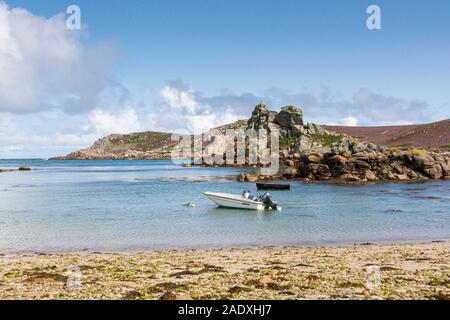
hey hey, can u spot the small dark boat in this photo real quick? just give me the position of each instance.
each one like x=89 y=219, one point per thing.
x=273 y=186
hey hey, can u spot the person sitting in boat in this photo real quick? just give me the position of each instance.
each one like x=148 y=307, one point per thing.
x=248 y=195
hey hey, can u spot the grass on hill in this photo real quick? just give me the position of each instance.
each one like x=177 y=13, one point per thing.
x=444 y=146
x=406 y=145
x=325 y=139
x=143 y=141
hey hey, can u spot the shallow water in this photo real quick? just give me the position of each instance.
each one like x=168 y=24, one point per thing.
x=134 y=205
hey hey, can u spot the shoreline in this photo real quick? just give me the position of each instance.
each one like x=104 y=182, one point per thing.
x=407 y=271
x=206 y=248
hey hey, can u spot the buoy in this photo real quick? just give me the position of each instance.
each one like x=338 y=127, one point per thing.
x=192 y=205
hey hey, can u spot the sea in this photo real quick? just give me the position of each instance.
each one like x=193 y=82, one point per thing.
x=141 y=205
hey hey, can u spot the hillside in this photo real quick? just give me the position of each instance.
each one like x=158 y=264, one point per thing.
x=428 y=136
x=140 y=145
x=158 y=145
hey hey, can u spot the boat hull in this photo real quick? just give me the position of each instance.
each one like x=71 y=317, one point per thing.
x=272 y=186
x=234 y=201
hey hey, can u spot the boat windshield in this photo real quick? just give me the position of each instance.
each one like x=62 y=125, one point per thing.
x=249 y=196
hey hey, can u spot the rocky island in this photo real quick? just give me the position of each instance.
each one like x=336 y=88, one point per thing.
x=311 y=151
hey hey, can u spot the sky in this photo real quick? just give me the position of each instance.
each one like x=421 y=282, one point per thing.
x=184 y=65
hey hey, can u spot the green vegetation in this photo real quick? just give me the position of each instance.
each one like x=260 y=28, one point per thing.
x=406 y=145
x=325 y=139
x=287 y=142
x=144 y=141
x=420 y=152
x=444 y=146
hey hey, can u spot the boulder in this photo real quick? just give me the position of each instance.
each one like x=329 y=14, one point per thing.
x=261 y=117
x=24 y=169
x=303 y=145
x=290 y=172
x=284 y=153
x=317 y=171
x=398 y=167
x=289 y=117
x=413 y=175
x=313 y=128
x=314 y=158
x=359 y=164
x=338 y=165
x=370 y=147
x=434 y=172
x=349 y=177
x=290 y=163
x=402 y=177
x=338 y=159
x=444 y=163
x=248 y=177
x=445 y=169
x=421 y=162
x=357 y=147
x=251 y=177
x=341 y=147
x=370 y=176
x=363 y=155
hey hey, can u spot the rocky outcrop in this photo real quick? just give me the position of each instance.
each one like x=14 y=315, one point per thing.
x=290 y=121
x=19 y=169
x=249 y=177
x=350 y=160
x=89 y=154
x=307 y=151
x=134 y=146
x=261 y=118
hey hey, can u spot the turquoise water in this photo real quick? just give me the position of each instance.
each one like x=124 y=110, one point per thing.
x=135 y=205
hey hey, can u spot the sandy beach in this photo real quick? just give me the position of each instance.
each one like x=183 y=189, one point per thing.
x=407 y=271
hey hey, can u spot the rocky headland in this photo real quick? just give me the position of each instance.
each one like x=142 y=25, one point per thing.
x=133 y=146
x=308 y=151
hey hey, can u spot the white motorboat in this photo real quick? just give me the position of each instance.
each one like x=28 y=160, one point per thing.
x=244 y=201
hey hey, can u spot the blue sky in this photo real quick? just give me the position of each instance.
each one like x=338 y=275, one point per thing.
x=160 y=64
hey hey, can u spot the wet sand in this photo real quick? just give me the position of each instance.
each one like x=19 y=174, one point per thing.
x=407 y=271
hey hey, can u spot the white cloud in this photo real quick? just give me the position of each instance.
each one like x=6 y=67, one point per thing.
x=179 y=99
x=183 y=109
x=366 y=106
x=105 y=122
x=44 y=65
x=349 y=121
x=179 y=108
x=389 y=110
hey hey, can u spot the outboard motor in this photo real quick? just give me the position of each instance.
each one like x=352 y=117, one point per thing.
x=268 y=202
